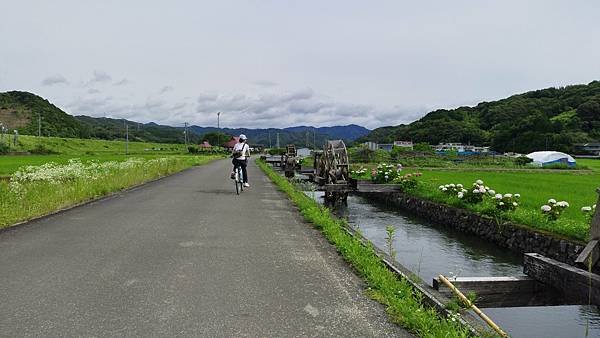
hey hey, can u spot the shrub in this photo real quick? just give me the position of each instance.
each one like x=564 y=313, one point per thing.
x=4 y=148
x=385 y=173
x=193 y=150
x=40 y=149
x=553 y=210
x=589 y=211
x=506 y=202
x=476 y=194
x=407 y=182
x=359 y=173
x=522 y=160
x=276 y=151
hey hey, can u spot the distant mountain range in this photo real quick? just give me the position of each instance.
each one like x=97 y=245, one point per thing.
x=300 y=136
x=20 y=110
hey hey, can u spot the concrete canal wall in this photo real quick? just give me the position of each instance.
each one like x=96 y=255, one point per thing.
x=514 y=237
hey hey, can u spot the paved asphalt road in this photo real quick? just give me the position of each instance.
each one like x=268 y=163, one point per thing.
x=183 y=256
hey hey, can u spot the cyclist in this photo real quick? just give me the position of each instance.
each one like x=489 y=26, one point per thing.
x=240 y=154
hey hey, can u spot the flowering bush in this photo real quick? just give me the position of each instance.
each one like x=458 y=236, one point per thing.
x=589 y=212
x=408 y=181
x=477 y=193
x=52 y=173
x=506 y=202
x=359 y=173
x=385 y=173
x=455 y=190
x=554 y=209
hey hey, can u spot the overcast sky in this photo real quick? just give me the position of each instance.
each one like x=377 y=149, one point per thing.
x=284 y=63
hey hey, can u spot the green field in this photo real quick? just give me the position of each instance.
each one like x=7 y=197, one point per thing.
x=578 y=188
x=10 y=163
x=74 y=146
x=61 y=150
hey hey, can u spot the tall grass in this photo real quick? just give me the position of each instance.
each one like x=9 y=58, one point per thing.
x=403 y=303
x=37 y=191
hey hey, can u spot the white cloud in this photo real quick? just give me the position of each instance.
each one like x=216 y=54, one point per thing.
x=165 y=89
x=54 y=80
x=99 y=77
x=265 y=83
x=122 y=82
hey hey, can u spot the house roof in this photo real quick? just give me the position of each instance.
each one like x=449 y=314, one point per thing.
x=232 y=142
x=205 y=144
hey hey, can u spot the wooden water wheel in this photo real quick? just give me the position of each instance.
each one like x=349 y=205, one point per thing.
x=332 y=167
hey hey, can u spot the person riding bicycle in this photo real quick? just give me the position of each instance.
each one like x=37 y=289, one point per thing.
x=240 y=154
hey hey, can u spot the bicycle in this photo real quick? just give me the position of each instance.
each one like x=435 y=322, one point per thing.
x=238 y=179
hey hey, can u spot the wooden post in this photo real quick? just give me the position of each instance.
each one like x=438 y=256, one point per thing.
x=595 y=226
x=472 y=306
x=578 y=285
x=591 y=253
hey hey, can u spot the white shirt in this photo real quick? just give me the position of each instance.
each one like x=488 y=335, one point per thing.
x=244 y=148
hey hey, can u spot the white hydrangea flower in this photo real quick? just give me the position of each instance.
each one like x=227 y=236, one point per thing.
x=508 y=195
x=546 y=208
x=480 y=182
x=562 y=204
x=459 y=185
x=460 y=195
x=501 y=203
x=498 y=196
x=586 y=209
x=492 y=192
x=552 y=201
x=515 y=204
x=475 y=191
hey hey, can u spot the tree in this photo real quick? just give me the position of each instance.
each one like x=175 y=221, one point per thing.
x=215 y=138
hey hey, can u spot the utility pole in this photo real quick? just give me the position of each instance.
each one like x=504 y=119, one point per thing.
x=219 y=128
x=277 y=140
x=185 y=124
x=314 y=139
x=306 y=139
x=39 y=125
x=270 y=140
x=126 y=139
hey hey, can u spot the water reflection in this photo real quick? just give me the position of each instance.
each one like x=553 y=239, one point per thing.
x=429 y=249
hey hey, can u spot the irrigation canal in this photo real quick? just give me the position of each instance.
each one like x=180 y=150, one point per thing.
x=429 y=250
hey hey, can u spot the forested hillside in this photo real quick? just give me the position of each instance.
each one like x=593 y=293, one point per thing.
x=552 y=119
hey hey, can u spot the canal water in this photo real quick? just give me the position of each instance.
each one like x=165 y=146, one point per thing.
x=429 y=250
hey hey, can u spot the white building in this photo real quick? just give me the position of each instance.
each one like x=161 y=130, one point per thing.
x=404 y=144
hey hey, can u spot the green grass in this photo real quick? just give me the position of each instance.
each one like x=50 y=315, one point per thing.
x=74 y=146
x=403 y=303
x=39 y=198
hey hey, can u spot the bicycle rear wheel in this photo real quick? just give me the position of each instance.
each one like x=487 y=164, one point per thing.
x=237 y=188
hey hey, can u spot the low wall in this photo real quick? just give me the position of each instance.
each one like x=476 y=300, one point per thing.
x=511 y=236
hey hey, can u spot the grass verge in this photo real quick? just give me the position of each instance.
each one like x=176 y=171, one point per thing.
x=402 y=302
x=42 y=190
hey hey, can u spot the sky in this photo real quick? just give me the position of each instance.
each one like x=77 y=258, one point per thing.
x=286 y=63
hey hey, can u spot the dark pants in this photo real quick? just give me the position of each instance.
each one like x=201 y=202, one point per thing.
x=243 y=164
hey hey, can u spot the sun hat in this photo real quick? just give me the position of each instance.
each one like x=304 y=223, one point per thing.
x=243 y=137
